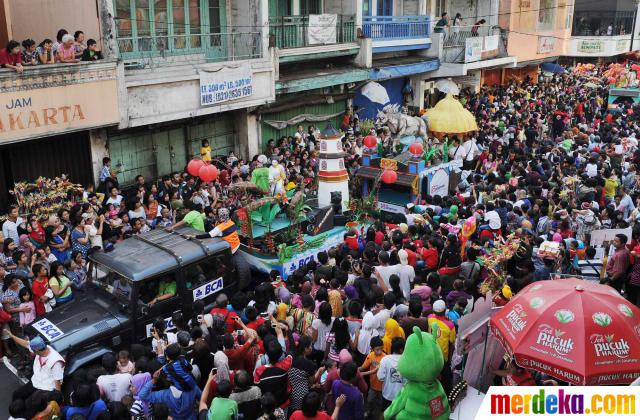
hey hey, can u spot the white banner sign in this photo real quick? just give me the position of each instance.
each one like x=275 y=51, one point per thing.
x=472 y=49
x=322 y=29
x=226 y=85
x=598 y=237
x=439 y=183
x=168 y=322
x=208 y=289
x=301 y=259
x=546 y=44
x=47 y=328
x=491 y=42
x=391 y=208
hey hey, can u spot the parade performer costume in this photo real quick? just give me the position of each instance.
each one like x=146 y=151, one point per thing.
x=423 y=396
x=277 y=176
x=260 y=175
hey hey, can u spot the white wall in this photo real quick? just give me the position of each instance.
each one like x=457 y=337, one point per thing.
x=159 y=95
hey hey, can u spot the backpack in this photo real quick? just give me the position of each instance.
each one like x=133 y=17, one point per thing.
x=219 y=323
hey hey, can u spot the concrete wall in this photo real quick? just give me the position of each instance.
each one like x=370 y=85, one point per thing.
x=40 y=19
x=98 y=140
x=166 y=94
x=245 y=15
x=525 y=35
x=340 y=7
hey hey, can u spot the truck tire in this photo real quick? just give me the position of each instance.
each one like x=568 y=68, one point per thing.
x=243 y=271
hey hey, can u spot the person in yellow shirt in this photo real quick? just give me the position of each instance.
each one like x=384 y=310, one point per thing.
x=446 y=337
x=611 y=185
x=205 y=151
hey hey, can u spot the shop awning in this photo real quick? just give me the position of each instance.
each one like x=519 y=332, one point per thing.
x=404 y=179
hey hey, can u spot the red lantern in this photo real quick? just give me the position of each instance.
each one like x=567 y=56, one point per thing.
x=370 y=141
x=208 y=173
x=389 y=177
x=193 y=167
x=416 y=149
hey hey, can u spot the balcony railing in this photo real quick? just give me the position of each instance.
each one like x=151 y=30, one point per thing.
x=395 y=27
x=293 y=31
x=212 y=47
x=597 y=23
x=456 y=39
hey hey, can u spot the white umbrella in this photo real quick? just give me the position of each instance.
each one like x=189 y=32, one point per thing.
x=375 y=92
x=448 y=86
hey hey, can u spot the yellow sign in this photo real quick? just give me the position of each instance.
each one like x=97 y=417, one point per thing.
x=388 y=164
x=52 y=110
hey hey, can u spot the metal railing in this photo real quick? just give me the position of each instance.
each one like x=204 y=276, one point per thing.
x=456 y=36
x=455 y=43
x=395 y=27
x=292 y=31
x=597 y=23
x=230 y=46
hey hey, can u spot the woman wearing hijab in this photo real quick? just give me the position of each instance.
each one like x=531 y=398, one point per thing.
x=391 y=330
x=221 y=366
x=139 y=408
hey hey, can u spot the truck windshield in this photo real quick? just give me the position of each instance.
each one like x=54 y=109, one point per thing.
x=112 y=283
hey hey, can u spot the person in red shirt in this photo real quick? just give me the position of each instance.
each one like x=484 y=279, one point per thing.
x=311 y=408
x=430 y=256
x=221 y=309
x=11 y=58
x=241 y=357
x=40 y=287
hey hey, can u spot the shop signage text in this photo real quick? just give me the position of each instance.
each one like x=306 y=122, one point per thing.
x=47 y=111
x=591 y=46
x=226 y=85
x=21 y=118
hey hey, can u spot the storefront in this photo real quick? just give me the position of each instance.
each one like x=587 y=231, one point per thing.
x=283 y=118
x=47 y=117
x=154 y=152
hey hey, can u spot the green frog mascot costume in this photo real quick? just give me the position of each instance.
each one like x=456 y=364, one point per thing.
x=423 y=396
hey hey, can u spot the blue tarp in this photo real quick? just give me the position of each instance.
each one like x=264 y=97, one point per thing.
x=368 y=109
x=552 y=68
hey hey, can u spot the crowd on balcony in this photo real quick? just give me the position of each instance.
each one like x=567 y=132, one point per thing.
x=66 y=49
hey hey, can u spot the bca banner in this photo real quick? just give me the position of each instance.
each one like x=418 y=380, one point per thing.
x=322 y=29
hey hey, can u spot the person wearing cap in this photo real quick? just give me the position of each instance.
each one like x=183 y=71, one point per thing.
x=48 y=368
x=446 y=328
x=226 y=229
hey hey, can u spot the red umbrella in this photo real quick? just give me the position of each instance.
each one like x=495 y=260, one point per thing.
x=577 y=331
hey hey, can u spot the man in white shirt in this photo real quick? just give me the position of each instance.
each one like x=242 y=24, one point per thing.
x=471 y=152
x=113 y=386
x=388 y=373
x=10 y=226
x=48 y=368
x=456 y=151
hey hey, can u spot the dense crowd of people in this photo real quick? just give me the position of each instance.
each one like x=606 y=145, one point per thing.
x=67 y=48
x=549 y=163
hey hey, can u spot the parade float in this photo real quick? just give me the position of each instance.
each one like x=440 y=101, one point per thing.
x=417 y=163
x=284 y=230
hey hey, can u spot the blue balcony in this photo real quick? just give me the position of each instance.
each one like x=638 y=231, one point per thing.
x=397 y=33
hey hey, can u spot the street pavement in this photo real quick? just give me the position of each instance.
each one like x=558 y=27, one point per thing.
x=9 y=383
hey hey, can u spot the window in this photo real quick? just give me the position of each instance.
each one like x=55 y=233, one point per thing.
x=546 y=14
x=206 y=271
x=311 y=7
x=441 y=7
x=165 y=27
x=385 y=8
